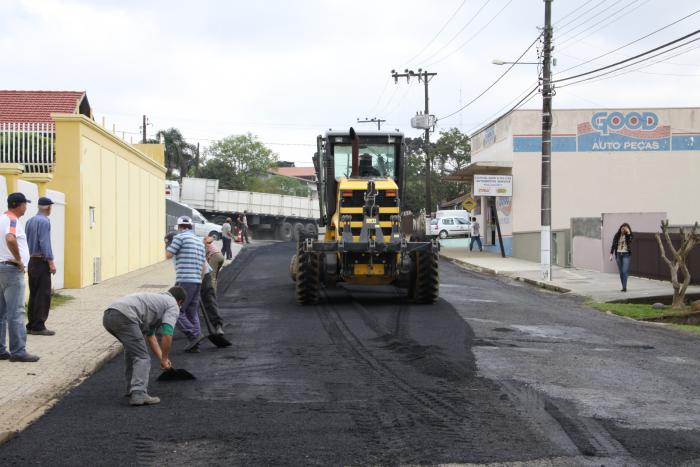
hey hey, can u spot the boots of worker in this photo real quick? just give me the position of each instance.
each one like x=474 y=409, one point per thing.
x=142 y=398
x=193 y=344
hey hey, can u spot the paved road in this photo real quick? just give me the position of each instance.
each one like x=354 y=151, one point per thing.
x=494 y=372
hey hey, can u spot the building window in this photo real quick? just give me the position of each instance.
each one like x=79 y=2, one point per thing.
x=92 y=217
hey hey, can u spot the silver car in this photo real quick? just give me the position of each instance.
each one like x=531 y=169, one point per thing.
x=450 y=227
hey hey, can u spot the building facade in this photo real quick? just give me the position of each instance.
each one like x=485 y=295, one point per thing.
x=604 y=161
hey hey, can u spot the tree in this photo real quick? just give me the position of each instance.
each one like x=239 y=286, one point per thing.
x=236 y=160
x=279 y=185
x=179 y=154
x=688 y=240
x=451 y=152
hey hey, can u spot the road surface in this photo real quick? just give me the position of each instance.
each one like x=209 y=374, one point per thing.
x=494 y=372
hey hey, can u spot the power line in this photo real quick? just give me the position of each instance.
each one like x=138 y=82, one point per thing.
x=600 y=76
x=408 y=62
x=612 y=19
x=567 y=78
x=212 y=139
x=494 y=83
x=473 y=35
x=590 y=19
x=572 y=12
x=632 y=42
x=584 y=13
x=500 y=115
x=381 y=94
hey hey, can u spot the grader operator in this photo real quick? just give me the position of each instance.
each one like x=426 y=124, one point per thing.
x=360 y=179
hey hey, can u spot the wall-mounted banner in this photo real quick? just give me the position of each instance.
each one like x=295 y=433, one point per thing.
x=615 y=131
x=493 y=185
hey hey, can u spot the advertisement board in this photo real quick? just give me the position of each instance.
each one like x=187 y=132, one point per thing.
x=493 y=185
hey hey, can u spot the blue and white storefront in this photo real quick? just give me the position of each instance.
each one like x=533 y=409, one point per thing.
x=603 y=161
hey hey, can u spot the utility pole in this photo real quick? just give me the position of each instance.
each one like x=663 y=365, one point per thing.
x=423 y=76
x=376 y=120
x=143 y=127
x=546 y=193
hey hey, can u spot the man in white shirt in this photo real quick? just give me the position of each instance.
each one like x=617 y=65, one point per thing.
x=14 y=257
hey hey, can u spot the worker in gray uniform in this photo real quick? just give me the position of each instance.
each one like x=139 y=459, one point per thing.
x=134 y=321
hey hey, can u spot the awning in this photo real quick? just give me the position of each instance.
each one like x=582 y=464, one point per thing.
x=481 y=168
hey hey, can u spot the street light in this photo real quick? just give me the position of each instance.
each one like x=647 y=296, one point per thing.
x=498 y=61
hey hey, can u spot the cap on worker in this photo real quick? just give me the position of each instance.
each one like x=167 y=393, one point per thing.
x=184 y=220
x=15 y=199
x=44 y=201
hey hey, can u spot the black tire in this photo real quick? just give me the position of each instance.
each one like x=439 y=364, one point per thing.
x=286 y=232
x=298 y=231
x=443 y=234
x=215 y=235
x=308 y=278
x=311 y=230
x=425 y=277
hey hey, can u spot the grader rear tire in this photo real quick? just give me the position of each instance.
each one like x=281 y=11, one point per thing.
x=425 y=277
x=308 y=278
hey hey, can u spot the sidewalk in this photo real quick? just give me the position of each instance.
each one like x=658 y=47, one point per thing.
x=80 y=347
x=599 y=286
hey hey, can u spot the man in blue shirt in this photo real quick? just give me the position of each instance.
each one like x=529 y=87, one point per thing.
x=188 y=250
x=39 y=269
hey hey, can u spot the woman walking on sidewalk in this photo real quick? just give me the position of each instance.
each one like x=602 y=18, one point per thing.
x=622 y=250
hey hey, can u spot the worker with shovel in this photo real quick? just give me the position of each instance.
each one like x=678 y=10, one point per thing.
x=134 y=321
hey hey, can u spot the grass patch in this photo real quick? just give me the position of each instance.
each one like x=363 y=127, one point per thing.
x=688 y=328
x=641 y=311
x=58 y=299
x=631 y=310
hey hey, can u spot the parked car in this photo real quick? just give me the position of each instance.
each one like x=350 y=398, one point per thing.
x=450 y=227
x=203 y=227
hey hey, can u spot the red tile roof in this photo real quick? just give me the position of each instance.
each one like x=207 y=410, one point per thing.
x=295 y=171
x=37 y=106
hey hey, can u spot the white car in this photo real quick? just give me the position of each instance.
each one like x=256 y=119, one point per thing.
x=203 y=227
x=450 y=227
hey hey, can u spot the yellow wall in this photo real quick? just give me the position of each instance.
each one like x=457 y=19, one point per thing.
x=126 y=188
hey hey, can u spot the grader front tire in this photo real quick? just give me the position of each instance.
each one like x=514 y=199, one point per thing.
x=425 y=283
x=308 y=278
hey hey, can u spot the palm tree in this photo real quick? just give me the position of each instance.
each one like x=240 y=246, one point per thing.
x=179 y=154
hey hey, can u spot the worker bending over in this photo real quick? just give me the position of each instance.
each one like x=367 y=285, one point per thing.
x=134 y=320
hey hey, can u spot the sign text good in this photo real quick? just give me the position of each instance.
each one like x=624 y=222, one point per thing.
x=493 y=185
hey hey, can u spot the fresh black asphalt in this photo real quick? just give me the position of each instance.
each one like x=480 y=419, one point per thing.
x=364 y=378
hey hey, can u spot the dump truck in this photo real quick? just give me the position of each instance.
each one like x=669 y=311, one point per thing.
x=360 y=180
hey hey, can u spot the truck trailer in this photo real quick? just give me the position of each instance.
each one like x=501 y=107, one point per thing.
x=282 y=217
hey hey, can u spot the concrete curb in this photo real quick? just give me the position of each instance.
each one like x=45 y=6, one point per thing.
x=46 y=404
x=515 y=276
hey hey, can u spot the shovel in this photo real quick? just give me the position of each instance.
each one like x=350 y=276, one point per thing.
x=173 y=374
x=216 y=339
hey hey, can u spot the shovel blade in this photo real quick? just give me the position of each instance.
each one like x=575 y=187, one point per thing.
x=176 y=374
x=219 y=340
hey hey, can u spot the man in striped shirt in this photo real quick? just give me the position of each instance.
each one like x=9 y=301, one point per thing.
x=188 y=251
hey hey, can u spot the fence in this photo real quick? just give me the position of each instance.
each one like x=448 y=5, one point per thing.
x=30 y=144
x=646 y=258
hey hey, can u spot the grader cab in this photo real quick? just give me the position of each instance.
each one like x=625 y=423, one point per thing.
x=360 y=180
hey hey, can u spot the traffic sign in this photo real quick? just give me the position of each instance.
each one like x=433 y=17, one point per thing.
x=469 y=204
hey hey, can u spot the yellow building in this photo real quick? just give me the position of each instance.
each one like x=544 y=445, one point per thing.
x=114 y=192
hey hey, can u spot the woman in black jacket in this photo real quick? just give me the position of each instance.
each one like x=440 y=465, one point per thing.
x=622 y=250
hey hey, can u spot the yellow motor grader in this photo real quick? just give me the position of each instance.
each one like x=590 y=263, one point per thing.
x=360 y=180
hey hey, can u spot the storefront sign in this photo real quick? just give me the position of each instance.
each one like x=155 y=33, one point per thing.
x=617 y=131
x=493 y=185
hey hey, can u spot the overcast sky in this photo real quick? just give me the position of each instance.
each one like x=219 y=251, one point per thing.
x=287 y=71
